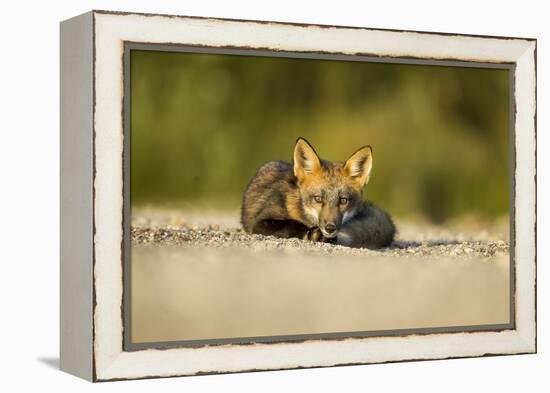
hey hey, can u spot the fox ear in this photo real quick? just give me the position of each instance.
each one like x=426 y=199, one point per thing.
x=359 y=165
x=306 y=160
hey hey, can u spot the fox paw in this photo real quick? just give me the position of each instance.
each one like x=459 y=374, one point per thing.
x=315 y=235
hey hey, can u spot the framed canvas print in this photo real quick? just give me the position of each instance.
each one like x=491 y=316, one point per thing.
x=245 y=195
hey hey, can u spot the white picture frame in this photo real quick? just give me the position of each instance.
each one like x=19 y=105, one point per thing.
x=93 y=193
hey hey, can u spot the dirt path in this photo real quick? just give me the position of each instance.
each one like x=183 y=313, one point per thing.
x=201 y=277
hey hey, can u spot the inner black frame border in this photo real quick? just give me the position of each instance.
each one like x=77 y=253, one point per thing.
x=126 y=245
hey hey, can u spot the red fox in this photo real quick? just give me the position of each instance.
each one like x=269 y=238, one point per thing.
x=315 y=199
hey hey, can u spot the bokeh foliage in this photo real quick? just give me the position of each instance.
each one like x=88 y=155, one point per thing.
x=201 y=124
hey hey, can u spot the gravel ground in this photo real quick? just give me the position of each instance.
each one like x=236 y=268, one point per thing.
x=413 y=240
x=198 y=275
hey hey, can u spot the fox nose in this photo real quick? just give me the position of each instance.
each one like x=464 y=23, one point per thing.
x=330 y=228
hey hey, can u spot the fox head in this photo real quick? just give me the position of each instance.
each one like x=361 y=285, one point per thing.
x=330 y=191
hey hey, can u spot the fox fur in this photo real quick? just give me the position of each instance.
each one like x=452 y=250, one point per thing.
x=318 y=200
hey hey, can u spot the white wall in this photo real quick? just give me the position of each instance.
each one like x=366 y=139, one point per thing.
x=29 y=193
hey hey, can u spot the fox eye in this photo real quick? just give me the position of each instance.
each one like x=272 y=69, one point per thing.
x=318 y=198
x=344 y=201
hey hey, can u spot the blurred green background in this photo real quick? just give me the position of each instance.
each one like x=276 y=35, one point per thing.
x=201 y=125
